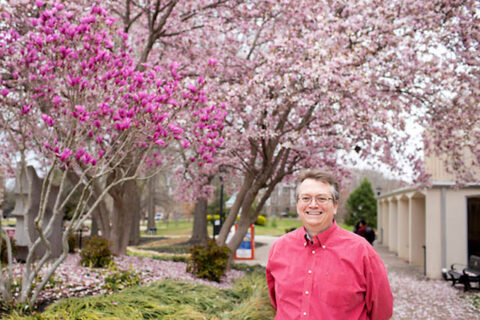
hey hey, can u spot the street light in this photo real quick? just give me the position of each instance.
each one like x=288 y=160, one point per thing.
x=221 y=201
x=217 y=224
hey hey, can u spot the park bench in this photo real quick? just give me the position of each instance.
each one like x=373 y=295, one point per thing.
x=467 y=276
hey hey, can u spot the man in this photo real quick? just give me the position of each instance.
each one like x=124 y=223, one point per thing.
x=321 y=271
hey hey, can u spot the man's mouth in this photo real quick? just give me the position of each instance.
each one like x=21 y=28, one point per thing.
x=314 y=213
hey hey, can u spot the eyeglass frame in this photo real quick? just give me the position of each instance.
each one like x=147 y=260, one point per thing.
x=324 y=199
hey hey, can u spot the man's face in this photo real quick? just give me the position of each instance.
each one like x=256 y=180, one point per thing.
x=316 y=217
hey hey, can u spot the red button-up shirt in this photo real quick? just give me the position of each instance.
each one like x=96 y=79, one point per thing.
x=337 y=275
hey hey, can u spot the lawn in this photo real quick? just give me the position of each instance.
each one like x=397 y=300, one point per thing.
x=276 y=226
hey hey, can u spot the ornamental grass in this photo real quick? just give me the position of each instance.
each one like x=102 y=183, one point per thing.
x=168 y=299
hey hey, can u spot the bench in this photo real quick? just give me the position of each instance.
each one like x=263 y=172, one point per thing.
x=467 y=276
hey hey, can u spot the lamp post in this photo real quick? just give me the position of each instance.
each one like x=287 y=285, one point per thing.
x=221 y=201
x=217 y=224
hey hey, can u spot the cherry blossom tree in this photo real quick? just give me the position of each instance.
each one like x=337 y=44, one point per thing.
x=73 y=98
x=308 y=84
x=328 y=78
x=187 y=32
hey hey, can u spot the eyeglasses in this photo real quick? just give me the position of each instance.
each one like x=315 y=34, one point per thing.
x=319 y=199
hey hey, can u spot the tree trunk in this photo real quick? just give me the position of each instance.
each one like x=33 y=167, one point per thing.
x=233 y=213
x=151 y=203
x=126 y=211
x=199 y=233
x=136 y=217
x=94 y=226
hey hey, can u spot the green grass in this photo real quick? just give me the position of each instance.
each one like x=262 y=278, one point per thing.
x=275 y=227
x=168 y=299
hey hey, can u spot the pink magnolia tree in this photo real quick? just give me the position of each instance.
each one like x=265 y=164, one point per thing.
x=322 y=79
x=73 y=98
x=306 y=85
x=187 y=32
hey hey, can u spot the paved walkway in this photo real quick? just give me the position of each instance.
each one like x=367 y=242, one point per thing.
x=261 y=251
x=395 y=264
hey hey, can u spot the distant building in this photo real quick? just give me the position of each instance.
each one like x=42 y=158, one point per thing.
x=281 y=201
x=431 y=227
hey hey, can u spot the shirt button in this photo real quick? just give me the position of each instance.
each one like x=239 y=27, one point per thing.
x=306 y=292
x=309 y=271
x=323 y=247
x=313 y=251
x=304 y=313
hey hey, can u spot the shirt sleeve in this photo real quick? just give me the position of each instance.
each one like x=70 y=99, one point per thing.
x=378 y=298
x=271 y=279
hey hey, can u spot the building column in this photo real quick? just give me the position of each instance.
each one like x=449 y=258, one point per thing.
x=403 y=230
x=386 y=222
x=416 y=253
x=379 y=220
x=393 y=224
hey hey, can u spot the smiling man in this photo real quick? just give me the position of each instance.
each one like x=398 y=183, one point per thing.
x=321 y=271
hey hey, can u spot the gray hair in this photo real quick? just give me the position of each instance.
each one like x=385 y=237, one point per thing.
x=322 y=176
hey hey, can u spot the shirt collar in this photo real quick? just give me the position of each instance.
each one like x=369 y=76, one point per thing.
x=322 y=237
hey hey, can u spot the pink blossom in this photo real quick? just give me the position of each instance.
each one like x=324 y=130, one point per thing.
x=124 y=124
x=79 y=153
x=160 y=142
x=65 y=154
x=5 y=92
x=175 y=129
x=26 y=109
x=73 y=81
x=86 y=158
x=185 y=143
x=48 y=120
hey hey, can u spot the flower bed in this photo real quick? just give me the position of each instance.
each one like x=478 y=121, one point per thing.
x=73 y=280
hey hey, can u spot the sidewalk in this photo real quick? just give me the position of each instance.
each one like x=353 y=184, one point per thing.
x=397 y=265
x=261 y=251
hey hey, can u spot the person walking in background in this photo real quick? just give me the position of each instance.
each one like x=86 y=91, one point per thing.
x=362 y=229
x=321 y=271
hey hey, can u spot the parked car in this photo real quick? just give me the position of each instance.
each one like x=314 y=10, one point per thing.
x=159 y=216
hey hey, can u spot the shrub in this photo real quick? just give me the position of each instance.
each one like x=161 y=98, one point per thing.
x=208 y=261
x=214 y=217
x=261 y=221
x=96 y=253
x=119 y=279
x=3 y=249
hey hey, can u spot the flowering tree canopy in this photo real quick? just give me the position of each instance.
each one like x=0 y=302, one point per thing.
x=73 y=97
x=307 y=84
x=322 y=79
